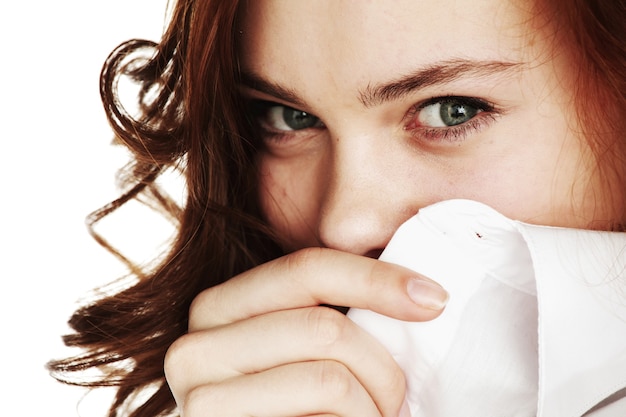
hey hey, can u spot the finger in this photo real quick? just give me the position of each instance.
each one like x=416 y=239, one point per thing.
x=319 y=276
x=299 y=389
x=291 y=336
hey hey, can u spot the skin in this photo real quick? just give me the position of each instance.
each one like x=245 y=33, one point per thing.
x=260 y=344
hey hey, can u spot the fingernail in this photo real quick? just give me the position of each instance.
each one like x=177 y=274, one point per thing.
x=405 y=411
x=427 y=294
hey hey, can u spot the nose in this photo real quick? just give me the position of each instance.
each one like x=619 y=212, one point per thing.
x=366 y=196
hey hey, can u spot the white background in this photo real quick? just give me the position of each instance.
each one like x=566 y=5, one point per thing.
x=57 y=166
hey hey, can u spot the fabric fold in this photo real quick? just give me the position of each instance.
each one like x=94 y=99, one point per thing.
x=500 y=348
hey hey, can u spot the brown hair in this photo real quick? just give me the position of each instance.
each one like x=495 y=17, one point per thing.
x=592 y=34
x=190 y=118
x=188 y=103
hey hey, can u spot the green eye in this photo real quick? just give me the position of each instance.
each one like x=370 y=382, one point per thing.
x=279 y=118
x=456 y=113
x=447 y=112
x=296 y=119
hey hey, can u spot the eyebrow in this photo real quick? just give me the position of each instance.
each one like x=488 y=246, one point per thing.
x=256 y=82
x=436 y=74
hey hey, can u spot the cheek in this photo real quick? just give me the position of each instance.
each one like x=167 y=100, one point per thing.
x=289 y=201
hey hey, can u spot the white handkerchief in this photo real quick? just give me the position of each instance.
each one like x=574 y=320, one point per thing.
x=479 y=358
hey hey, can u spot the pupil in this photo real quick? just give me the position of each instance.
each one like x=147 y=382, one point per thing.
x=297 y=119
x=455 y=113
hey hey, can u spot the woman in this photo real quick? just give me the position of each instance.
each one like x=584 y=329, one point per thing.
x=326 y=125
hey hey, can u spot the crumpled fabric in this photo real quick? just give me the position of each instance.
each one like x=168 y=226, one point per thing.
x=480 y=357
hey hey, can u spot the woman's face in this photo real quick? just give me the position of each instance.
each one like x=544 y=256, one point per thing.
x=370 y=110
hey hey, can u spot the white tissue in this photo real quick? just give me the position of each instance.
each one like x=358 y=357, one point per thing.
x=479 y=358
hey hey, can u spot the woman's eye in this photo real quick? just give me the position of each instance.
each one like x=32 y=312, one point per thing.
x=447 y=113
x=450 y=118
x=277 y=118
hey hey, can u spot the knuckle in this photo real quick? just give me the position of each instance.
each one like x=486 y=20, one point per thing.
x=377 y=277
x=200 y=401
x=382 y=282
x=396 y=385
x=198 y=317
x=327 y=326
x=198 y=301
x=175 y=361
x=334 y=380
x=210 y=308
x=303 y=259
x=303 y=269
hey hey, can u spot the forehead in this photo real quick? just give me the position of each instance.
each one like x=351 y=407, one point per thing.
x=362 y=41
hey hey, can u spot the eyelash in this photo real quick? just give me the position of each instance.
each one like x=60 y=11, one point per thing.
x=487 y=112
x=260 y=109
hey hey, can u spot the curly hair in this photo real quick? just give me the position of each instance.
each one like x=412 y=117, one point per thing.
x=191 y=119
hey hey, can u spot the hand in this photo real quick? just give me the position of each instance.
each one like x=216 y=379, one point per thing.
x=261 y=345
